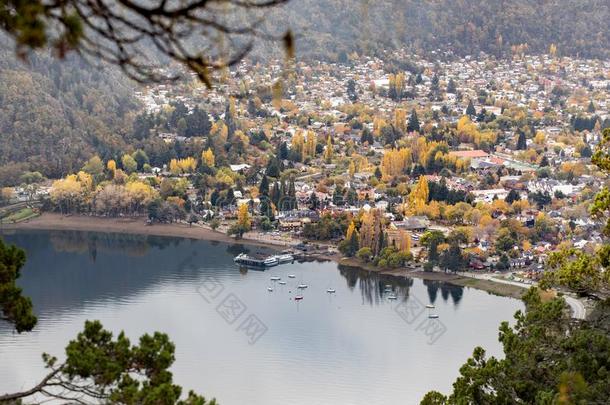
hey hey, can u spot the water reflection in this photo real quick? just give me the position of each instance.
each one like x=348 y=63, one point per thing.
x=447 y=290
x=375 y=287
x=101 y=264
x=341 y=344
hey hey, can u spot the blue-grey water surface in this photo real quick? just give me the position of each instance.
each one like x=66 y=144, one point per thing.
x=352 y=347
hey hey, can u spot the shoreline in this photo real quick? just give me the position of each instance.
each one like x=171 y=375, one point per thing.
x=490 y=286
x=131 y=225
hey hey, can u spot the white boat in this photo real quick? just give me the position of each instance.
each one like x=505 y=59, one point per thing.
x=291 y=276
x=331 y=291
x=256 y=260
x=275 y=278
x=433 y=316
x=269 y=289
x=302 y=286
x=429 y=306
x=285 y=258
x=282 y=283
x=298 y=298
x=271 y=261
x=392 y=297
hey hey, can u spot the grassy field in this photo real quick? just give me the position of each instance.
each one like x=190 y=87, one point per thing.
x=18 y=216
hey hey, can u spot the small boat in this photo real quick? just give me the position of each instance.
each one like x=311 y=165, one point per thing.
x=269 y=289
x=276 y=278
x=298 y=298
x=392 y=297
x=331 y=291
x=302 y=286
x=282 y=283
x=291 y=276
x=433 y=316
x=429 y=306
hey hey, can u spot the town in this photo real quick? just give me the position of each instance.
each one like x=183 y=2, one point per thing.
x=449 y=163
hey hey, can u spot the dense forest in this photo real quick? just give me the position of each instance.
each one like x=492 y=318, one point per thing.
x=56 y=114
x=332 y=28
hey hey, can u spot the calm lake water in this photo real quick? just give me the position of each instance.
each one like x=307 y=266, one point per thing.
x=235 y=340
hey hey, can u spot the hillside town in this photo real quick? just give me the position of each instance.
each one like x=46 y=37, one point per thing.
x=449 y=163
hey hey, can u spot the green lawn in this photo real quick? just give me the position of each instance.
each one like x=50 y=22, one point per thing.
x=18 y=216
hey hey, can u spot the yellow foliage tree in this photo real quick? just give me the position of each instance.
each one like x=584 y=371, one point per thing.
x=395 y=161
x=400 y=120
x=310 y=146
x=243 y=217
x=297 y=144
x=418 y=197
x=111 y=166
x=207 y=157
x=328 y=151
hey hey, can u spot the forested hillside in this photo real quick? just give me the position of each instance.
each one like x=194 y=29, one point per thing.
x=577 y=27
x=54 y=114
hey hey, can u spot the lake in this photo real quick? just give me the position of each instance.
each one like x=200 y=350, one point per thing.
x=237 y=341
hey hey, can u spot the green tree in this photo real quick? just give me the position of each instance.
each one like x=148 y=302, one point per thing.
x=512 y=196
x=431 y=240
x=94 y=166
x=470 y=110
x=413 y=124
x=263 y=187
x=99 y=368
x=16 y=308
x=141 y=158
x=451 y=88
x=129 y=164
x=365 y=254
x=521 y=141
x=547 y=360
x=452 y=258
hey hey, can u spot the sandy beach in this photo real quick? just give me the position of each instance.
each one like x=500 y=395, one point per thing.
x=131 y=225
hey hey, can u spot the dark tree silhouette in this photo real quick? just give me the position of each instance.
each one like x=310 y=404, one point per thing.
x=202 y=35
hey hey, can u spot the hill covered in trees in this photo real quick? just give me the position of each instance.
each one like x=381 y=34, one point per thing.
x=56 y=114
x=331 y=27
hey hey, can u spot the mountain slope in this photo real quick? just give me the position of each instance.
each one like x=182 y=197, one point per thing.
x=577 y=27
x=55 y=114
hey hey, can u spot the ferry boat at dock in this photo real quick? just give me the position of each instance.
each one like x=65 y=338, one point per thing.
x=285 y=258
x=256 y=260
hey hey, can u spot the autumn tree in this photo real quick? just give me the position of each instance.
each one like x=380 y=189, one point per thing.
x=243 y=224
x=350 y=245
x=111 y=166
x=328 y=150
x=372 y=231
x=419 y=195
x=207 y=157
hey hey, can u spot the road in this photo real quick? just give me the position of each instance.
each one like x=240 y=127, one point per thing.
x=578 y=308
